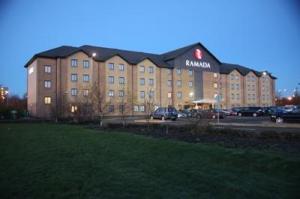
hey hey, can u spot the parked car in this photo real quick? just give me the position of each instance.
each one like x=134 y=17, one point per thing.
x=234 y=111
x=250 y=111
x=283 y=115
x=227 y=112
x=165 y=113
x=209 y=114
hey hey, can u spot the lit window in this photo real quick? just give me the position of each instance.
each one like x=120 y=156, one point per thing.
x=179 y=95
x=179 y=83
x=142 y=81
x=74 y=77
x=85 y=92
x=111 y=93
x=74 y=91
x=86 y=78
x=142 y=94
x=47 y=84
x=190 y=84
x=121 y=93
x=47 y=69
x=178 y=71
x=121 y=67
x=151 y=82
x=47 y=100
x=151 y=69
x=135 y=108
x=169 y=95
x=215 y=85
x=86 y=64
x=142 y=69
x=111 y=79
x=111 y=66
x=190 y=72
x=169 y=71
x=121 y=80
x=73 y=109
x=74 y=62
x=215 y=75
x=142 y=108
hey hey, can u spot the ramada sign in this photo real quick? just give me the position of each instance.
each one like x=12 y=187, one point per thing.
x=200 y=64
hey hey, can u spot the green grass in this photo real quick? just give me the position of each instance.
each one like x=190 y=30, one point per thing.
x=63 y=161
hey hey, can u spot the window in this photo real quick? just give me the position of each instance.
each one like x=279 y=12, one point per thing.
x=111 y=66
x=111 y=93
x=74 y=77
x=237 y=86
x=190 y=84
x=86 y=64
x=151 y=94
x=151 y=69
x=85 y=92
x=236 y=77
x=151 y=82
x=86 y=78
x=74 y=62
x=74 y=91
x=142 y=69
x=47 y=83
x=73 y=109
x=178 y=71
x=111 y=79
x=215 y=85
x=237 y=96
x=121 y=93
x=190 y=72
x=121 y=67
x=47 y=100
x=121 y=80
x=169 y=83
x=111 y=108
x=169 y=71
x=135 y=108
x=232 y=96
x=232 y=86
x=47 y=69
x=169 y=95
x=232 y=76
x=179 y=83
x=121 y=108
x=179 y=95
x=142 y=108
x=142 y=81
x=142 y=94
x=215 y=75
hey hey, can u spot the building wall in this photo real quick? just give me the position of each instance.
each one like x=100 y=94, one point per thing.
x=32 y=88
x=251 y=90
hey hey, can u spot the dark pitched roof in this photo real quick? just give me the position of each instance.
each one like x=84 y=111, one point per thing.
x=175 y=53
x=227 y=68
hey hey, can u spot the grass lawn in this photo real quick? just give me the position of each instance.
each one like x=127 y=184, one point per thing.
x=63 y=161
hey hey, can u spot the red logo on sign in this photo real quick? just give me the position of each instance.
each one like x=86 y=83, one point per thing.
x=198 y=54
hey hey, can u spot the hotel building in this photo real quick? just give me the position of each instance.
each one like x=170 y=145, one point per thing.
x=121 y=81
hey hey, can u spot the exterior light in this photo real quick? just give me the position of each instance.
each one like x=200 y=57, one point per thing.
x=264 y=73
x=6 y=92
x=289 y=98
x=94 y=55
x=191 y=94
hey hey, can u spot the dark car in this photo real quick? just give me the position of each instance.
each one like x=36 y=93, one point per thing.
x=250 y=111
x=165 y=113
x=234 y=111
x=282 y=115
x=209 y=114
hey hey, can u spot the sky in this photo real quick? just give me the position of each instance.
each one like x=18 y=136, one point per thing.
x=260 y=34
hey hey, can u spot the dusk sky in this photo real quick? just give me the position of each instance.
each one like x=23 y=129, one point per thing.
x=260 y=34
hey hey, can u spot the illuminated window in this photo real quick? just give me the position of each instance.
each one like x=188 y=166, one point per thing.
x=74 y=62
x=47 y=100
x=86 y=64
x=47 y=69
x=111 y=66
x=86 y=78
x=85 y=92
x=135 y=108
x=47 y=83
x=215 y=75
x=169 y=71
x=121 y=67
x=169 y=95
x=73 y=109
x=215 y=85
x=142 y=108
x=111 y=93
